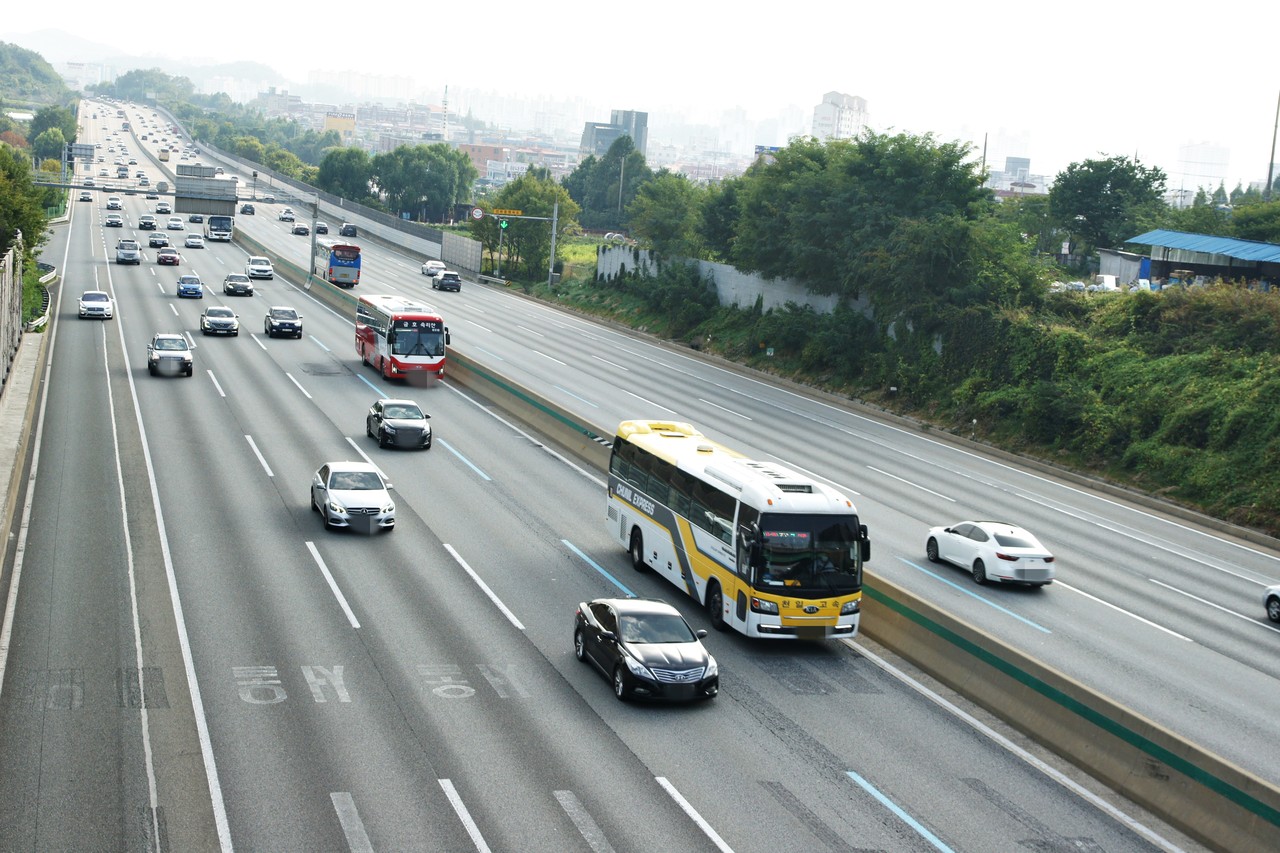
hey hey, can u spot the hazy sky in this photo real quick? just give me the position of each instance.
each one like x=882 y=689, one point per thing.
x=1058 y=83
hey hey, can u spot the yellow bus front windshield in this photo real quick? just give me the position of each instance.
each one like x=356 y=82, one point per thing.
x=817 y=554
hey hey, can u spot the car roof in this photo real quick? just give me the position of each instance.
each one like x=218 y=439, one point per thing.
x=159 y=335
x=348 y=465
x=219 y=309
x=102 y=292
x=259 y=258
x=283 y=308
x=638 y=605
x=396 y=401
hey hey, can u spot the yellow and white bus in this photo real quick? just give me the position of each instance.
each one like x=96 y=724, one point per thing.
x=767 y=551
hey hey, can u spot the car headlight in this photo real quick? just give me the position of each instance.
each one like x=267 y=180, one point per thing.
x=713 y=668
x=637 y=668
x=389 y=508
x=388 y=429
x=850 y=607
x=337 y=508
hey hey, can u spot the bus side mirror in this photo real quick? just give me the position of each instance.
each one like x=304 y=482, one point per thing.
x=866 y=550
x=446 y=336
x=391 y=337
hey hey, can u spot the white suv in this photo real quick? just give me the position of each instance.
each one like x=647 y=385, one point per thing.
x=259 y=267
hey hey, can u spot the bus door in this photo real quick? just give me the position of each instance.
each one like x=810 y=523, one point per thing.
x=748 y=549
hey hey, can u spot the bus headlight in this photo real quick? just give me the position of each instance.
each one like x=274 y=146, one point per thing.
x=759 y=605
x=850 y=607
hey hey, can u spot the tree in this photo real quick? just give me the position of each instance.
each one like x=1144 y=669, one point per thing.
x=666 y=213
x=20 y=206
x=50 y=143
x=528 y=242
x=1257 y=222
x=54 y=117
x=1103 y=203
x=596 y=183
x=720 y=219
x=346 y=172
x=425 y=181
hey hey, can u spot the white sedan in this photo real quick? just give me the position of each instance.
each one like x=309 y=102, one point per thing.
x=1271 y=599
x=433 y=268
x=992 y=551
x=96 y=303
x=194 y=241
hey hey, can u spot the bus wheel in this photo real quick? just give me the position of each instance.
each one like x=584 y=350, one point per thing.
x=715 y=606
x=637 y=550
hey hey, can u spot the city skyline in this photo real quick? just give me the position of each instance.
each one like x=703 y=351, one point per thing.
x=1053 y=88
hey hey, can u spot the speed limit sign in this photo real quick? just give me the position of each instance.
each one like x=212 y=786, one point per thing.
x=477 y=214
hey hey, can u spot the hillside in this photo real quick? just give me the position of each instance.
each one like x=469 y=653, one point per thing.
x=26 y=78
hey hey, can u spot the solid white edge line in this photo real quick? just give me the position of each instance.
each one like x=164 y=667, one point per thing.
x=1002 y=741
x=698 y=819
x=460 y=809
x=333 y=585
x=1119 y=609
x=352 y=825
x=484 y=587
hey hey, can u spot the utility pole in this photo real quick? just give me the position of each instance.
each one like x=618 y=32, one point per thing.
x=551 y=265
x=1271 y=164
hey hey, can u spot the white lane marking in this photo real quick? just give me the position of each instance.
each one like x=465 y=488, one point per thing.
x=215 y=383
x=1100 y=521
x=611 y=364
x=650 y=402
x=478 y=326
x=217 y=802
x=257 y=340
x=468 y=822
x=913 y=485
x=300 y=388
x=174 y=309
x=465 y=461
x=723 y=409
x=551 y=358
x=484 y=587
x=333 y=585
x=352 y=826
x=698 y=819
x=509 y=425
x=1011 y=747
x=351 y=441
x=530 y=331
x=587 y=828
x=1214 y=606
x=1122 y=610
x=261 y=460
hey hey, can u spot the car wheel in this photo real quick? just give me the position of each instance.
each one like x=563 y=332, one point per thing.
x=151 y=368
x=382 y=437
x=715 y=607
x=579 y=646
x=637 y=550
x=427 y=446
x=266 y=330
x=368 y=428
x=931 y=549
x=1273 y=608
x=620 y=684
x=979 y=572
x=190 y=371
x=324 y=519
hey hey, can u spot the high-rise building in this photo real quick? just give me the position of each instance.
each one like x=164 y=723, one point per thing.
x=634 y=124
x=598 y=136
x=839 y=116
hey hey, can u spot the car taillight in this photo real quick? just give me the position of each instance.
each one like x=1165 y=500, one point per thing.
x=1008 y=557
x=1048 y=559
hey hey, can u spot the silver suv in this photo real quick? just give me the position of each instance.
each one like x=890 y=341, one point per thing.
x=128 y=252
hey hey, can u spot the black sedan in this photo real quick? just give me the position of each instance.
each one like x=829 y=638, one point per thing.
x=398 y=423
x=645 y=648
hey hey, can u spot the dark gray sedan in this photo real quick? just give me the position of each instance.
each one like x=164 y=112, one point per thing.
x=645 y=648
x=398 y=423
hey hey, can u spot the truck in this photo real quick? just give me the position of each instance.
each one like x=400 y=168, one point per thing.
x=219 y=227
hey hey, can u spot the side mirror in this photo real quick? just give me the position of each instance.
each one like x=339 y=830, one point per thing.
x=446 y=336
x=866 y=550
x=700 y=633
x=388 y=485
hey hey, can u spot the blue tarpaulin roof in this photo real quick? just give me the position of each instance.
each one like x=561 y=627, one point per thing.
x=1245 y=250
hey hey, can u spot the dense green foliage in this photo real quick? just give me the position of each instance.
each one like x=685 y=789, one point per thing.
x=603 y=186
x=21 y=202
x=1103 y=203
x=26 y=78
x=525 y=243
x=423 y=181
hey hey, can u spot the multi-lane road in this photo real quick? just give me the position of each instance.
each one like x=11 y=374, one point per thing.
x=197 y=664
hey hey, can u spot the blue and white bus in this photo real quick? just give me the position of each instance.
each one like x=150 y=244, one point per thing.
x=337 y=263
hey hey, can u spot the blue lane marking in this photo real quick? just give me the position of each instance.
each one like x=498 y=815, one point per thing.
x=576 y=397
x=491 y=354
x=973 y=594
x=381 y=392
x=906 y=818
x=465 y=460
x=593 y=564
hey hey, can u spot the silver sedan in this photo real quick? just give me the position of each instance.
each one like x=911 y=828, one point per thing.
x=353 y=495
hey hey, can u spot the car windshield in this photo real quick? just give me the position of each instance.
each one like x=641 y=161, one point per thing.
x=284 y=314
x=655 y=628
x=189 y=279
x=171 y=343
x=418 y=342
x=819 y=553
x=403 y=411
x=355 y=480
x=93 y=296
x=220 y=312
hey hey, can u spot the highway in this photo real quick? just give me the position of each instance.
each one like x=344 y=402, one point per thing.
x=197 y=664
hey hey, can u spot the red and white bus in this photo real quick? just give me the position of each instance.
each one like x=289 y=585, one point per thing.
x=400 y=337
